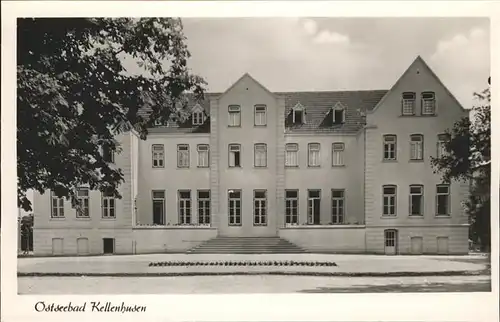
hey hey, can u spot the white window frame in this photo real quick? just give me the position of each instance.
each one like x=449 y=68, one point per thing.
x=203 y=155
x=183 y=156
x=428 y=103
x=416 y=147
x=338 y=149
x=204 y=210
x=416 y=190
x=292 y=207
x=390 y=147
x=185 y=208
x=338 y=108
x=310 y=203
x=260 y=155
x=234 y=208
x=56 y=206
x=448 y=199
x=259 y=208
x=234 y=148
x=292 y=155
x=163 y=203
x=108 y=206
x=301 y=109
x=234 y=115
x=442 y=140
x=158 y=155
x=392 y=201
x=260 y=115
x=313 y=148
x=338 y=206
x=408 y=102
x=198 y=118
x=83 y=209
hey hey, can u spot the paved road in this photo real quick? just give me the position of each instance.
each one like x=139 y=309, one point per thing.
x=249 y=284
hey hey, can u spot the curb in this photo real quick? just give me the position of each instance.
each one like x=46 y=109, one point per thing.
x=325 y=274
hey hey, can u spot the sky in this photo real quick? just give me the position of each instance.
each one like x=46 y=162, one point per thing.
x=308 y=54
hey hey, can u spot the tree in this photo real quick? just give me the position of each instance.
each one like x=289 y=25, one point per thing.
x=468 y=159
x=74 y=95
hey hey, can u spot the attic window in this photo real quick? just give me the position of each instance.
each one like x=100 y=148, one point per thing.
x=198 y=118
x=158 y=123
x=298 y=114
x=338 y=115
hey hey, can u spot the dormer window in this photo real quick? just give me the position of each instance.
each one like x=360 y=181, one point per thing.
x=428 y=103
x=408 y=103
x=158 y=123
x=198 y=118
x=298 y=114
x=338 y=114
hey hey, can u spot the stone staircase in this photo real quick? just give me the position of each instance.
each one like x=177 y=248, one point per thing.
x=246 y=245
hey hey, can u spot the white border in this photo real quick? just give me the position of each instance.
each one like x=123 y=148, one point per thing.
x=331 y=307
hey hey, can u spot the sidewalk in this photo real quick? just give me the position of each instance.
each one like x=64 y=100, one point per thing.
x=347 y=265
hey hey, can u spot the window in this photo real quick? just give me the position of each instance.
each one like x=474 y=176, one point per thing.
x=313 y=159
x=259 y=207
x=338 y=116
x=158 y=207
x=408 y=103
x=198 y=118
x=260 y=155
x=234 y=115
x=389 y=201
x=260 y=115
x=184 y=207
x=234 y=206
x=82 y=209
x=442 y=200
x=390 y=144
x=428 y=103
x=338 y=206
x=442 y=141
x=416 y=147
x=183 y=156
x=204 y=206
x=234 y=155
x=57 y=206
x=107 y=154
x=313 y=207
x=158 y=123
x=416 y=200
x=108 y=205
x=203 y=155
x=292 y=207
x=337 y=154
x=292 y=155
x=158 y=155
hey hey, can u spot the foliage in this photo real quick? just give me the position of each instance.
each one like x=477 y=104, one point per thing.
x=75 y=95
x=468 y=159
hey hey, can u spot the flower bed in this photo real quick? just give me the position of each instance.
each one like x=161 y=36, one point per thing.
x=241 y=263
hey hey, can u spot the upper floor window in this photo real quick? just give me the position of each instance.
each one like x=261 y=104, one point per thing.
x=198 y=118
x=234 y=115
x=158 y=155
x=408 y=103
x=338 y=114
x=234 y=155
x=416 y=200
x=82 y=209
x=389 y=200
x=260 y=115
x=442 y=141
x=203 y=155
x=390 y=144
x=337 y=154
x=108 y=205
x=416 y=147
x=314 y=156
x=428 y=103
x=183 y=155
x=260 y=155
x=107 y=154
x=292 y=155
x=57 y=206
x=443 y=200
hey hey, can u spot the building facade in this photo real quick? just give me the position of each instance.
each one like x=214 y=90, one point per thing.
x=343 y=171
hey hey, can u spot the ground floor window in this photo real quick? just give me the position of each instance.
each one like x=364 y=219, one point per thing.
x=185 y=206
x=108 y=245
x=338 y=206
x=259 y=207
x=292 y=206
x=158 y=207
x=234 y=207
x=313 y=207
x=204 y=206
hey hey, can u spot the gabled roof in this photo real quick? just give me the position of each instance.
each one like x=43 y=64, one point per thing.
x=246 y=75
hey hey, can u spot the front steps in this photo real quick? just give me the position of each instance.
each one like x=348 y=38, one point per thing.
x=247 y=245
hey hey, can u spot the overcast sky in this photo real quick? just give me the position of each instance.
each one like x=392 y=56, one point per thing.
x=303 y=54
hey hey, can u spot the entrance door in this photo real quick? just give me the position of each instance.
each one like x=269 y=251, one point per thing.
x=314 y=207
x=57 y=246
x=442 y=245
x=390 y=239
x=108 y=245
x=82 y=245
x=416 y=245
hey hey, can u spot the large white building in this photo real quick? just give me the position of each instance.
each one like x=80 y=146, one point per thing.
x=339 y=171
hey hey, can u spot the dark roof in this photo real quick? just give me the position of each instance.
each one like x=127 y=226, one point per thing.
x=318 y=106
